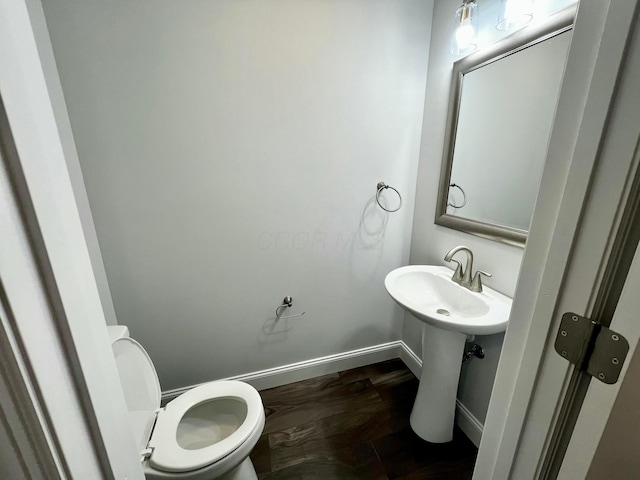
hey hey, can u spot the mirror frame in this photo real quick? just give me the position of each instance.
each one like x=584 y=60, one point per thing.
x=554 y=25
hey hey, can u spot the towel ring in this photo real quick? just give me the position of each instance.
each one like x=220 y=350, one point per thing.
x=383 y=186
x=464 y=197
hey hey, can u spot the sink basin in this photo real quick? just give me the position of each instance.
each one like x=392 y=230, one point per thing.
x=429 y=294
x=449 y=313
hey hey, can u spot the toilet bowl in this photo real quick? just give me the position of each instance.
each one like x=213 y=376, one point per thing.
x=206 y=433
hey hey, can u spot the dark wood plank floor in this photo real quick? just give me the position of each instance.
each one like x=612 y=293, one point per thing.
x=353 y=425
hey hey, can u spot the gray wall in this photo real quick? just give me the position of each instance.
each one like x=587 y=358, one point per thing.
x=431 y=242
x=230 y=152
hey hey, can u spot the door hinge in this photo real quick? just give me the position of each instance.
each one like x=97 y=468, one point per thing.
x=592 y=347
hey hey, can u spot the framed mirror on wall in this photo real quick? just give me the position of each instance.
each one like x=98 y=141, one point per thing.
x=501 y=111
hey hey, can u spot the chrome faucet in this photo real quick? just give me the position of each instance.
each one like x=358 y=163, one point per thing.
x=462 y=276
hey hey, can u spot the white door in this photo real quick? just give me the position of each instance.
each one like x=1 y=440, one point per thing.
x=576 y=238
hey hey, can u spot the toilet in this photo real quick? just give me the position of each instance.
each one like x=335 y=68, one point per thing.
x=206 y=433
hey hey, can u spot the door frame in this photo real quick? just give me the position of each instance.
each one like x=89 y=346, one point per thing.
x=574 y=460
x=575 y=221
x=52 y=312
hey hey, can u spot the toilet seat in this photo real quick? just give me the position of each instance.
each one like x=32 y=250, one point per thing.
x=158 y=442
x=140 y=386
x=167 y=455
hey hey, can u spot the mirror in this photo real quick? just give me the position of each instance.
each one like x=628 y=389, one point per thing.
x=501 y=112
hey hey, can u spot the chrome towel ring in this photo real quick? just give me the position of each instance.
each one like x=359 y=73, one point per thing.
x=383 y=186
x=286 y=303
x=464 y=197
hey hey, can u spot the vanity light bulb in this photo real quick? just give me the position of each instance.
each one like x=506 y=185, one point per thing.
x=514 y=14
x=464 y=36
x=464 y=39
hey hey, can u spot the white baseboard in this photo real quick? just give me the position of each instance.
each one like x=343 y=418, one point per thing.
x=468 y=423
x=410 y=359
x=295 y=372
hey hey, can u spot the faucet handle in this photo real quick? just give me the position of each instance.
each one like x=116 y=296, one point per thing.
x=457 y=275
x=476 y=283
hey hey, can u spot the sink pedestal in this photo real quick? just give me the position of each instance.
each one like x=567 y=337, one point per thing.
x=433 y=413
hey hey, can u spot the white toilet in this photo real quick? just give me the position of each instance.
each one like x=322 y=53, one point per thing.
x=205 y=433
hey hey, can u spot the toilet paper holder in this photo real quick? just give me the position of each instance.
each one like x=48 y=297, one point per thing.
x=286 y=303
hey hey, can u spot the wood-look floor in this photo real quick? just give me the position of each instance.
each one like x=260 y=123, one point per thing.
x=353 y=425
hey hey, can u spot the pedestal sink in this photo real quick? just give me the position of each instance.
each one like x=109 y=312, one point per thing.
x=449 y=313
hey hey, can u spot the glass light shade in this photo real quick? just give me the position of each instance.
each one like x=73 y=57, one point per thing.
x=514 y=14
x=465 y=37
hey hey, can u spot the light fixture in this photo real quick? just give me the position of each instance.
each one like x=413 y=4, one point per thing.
x=465 y=38
x=514 y=14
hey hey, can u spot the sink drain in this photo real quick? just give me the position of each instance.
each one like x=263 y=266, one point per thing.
x=443 y=311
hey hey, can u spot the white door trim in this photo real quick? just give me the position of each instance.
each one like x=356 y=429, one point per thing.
x=623 y=141
x=508 y=449
x=46 y=270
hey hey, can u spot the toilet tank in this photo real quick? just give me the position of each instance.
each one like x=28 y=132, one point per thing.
x=139 y=382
